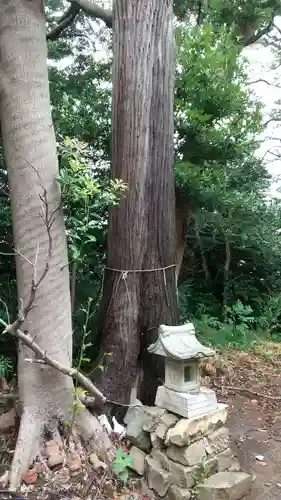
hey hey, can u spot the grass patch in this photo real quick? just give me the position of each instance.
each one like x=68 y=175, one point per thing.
x=222 y=335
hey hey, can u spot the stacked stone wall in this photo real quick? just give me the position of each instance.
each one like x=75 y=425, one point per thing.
x=183 y=458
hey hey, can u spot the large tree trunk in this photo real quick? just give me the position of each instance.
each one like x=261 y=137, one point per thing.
x=30 y=152
x=139 y=294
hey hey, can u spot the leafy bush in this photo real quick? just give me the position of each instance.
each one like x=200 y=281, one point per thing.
x=120 y=465
x=6 y=366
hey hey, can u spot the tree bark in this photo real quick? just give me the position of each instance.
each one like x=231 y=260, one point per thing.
x=139 y=294
x=30 y=153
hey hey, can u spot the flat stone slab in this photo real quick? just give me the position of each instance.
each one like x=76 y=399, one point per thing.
x=218 y=440
x=176 y=493
x=167 y=421
x=151 y=418
x=186 y=404
x=134 y=420
x=187 y=455
x=138 y=457
x=225 y=486
x=228 y=461
x=158 y=479
x=184 y=476
x=189 y=430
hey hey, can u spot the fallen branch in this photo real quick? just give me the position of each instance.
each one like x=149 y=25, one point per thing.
x=247 y=391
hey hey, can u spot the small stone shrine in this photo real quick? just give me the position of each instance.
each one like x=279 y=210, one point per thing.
x=181 y=392
x=181 y=446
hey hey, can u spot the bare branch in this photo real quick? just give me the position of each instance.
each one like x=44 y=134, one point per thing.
x=65 y=21
x=93 y=10
x=44 y=358
x=262 y=80
x=270 y=120
x=253 y=38
x=14 y=328
x=88 y=7
x=269 y=138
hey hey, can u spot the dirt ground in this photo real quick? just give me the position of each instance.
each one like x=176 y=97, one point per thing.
x=255 y=417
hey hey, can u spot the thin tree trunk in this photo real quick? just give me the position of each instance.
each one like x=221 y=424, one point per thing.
x=30 y=153
x=202 y=253
x=182 y=214
x=226 y=269
x=73 y=286
x=141 y=237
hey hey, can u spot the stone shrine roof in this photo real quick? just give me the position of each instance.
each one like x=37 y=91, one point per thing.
x=180 y=343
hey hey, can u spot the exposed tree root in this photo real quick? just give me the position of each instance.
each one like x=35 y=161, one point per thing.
x=27 y=446
x=31 y=434
x=8 y=420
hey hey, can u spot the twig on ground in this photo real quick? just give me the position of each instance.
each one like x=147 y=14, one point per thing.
x=246 y=391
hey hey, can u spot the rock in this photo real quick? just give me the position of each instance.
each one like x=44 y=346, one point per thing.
x=138 y=457
x=96 y=462
x=227 y=461
x=189 y=430
x=58 y=440
x=219 y=440
x=55 y=460
x=158 y=479
x=151 y=418
x=208 y=448
x=133 y=411
x=176 y=493
x=62 y=477
x=182 y=476
x=167 y=421
x=8 y=420
x=73 y=462
x=51 y=448
x=30 y=477
x=225 y=486
x=53 y=453
x=135 y=432
x=145 y=492
x=235 y=467
x=210 y=466
x=4 y=479
x=188 y=455
x=156 y=442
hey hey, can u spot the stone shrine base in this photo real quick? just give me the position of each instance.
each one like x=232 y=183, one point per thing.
x=182 y=459
x=187 y=404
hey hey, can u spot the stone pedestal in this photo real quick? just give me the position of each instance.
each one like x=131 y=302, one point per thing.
x=186 y=404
